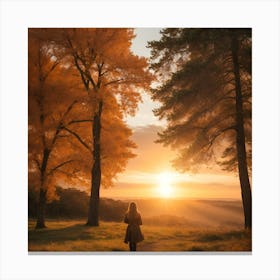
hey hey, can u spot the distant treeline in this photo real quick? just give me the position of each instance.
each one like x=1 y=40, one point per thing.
x=73 y=203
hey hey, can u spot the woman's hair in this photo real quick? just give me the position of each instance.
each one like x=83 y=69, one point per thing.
x=132 y=210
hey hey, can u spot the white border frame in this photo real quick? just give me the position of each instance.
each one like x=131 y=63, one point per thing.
x=17 y=16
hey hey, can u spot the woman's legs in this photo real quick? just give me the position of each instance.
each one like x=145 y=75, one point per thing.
x=132 y=246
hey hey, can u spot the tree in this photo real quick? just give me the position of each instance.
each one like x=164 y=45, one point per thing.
x=206 y=99
x=63 y=126
x=50 y=103
x=110 y=73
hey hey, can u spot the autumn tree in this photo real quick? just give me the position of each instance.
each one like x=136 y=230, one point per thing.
x=110 y=74
x=50 y=100
x=61 y=119
x=205 y=92
x=116 y=145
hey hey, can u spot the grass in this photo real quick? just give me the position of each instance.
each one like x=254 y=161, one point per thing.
x=73 y=235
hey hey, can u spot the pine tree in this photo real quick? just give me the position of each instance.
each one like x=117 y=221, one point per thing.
x=205 y=93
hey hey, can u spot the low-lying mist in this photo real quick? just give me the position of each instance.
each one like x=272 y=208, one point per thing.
x=193 y=213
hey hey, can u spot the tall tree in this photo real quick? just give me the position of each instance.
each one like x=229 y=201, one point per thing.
x=50 y=103
x=61 y=121
x=107 y=67
x=205 y=93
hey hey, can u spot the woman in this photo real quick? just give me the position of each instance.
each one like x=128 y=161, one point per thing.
x=133 y=232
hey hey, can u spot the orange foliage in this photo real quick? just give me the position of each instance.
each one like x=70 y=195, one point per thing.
x=61 y=110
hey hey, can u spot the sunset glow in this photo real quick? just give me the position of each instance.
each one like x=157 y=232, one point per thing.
x=165 y=181
x=133 y=134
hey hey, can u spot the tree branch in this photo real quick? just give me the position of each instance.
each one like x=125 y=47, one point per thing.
x=113 y=82
x=210 y=108
x=37 y=163
x=59 y=165
x=76 y=58
x=68 y=110
x=51 y=69
x=219 y=133
x=62 y=136
x=60 y=126
x=78 y=138
x=82 y=74
x=90 y=79
x=79 y=121
x=99 y=67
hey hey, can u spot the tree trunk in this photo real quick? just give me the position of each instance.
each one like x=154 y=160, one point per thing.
x=240 y=138
x=93 y=213
x=41 y=209
x=43 y=192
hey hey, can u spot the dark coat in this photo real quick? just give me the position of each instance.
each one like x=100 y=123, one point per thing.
x=133 y=231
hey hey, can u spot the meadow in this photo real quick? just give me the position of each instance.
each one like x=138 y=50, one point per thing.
x=73 y=235
x=174 y=226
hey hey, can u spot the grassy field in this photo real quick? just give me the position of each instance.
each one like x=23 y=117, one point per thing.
x=73 y=235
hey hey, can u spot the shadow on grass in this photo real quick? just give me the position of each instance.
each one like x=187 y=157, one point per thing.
x=221 y=237
x=118 y=250
x=196 y=249
x=71 y=233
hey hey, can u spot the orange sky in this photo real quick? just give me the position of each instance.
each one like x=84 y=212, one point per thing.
x=141 y=178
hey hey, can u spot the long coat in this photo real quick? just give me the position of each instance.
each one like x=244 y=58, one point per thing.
x=133 y=231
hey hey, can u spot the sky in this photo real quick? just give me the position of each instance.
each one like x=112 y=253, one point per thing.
x=145 y=115
x=150 y=174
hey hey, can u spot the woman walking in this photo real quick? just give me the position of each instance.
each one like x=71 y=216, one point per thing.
x=133 y=232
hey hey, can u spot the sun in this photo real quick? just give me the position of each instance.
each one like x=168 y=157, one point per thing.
x=165 y=181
